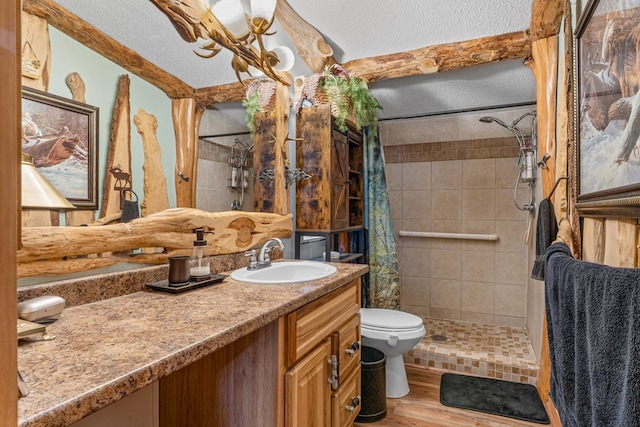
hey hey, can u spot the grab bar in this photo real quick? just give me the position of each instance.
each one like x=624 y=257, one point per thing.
x=459 y=236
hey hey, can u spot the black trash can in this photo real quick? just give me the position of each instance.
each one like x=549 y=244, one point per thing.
x=373 y=386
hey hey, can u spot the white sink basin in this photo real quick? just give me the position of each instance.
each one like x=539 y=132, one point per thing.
x=285 y=272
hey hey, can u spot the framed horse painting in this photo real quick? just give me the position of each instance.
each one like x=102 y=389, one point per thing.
x=607 y=71
x=62 y=136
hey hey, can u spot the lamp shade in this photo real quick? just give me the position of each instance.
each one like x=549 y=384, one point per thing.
x=231 y=15
x=285 y=57
x=37 y=192
x=263 y=9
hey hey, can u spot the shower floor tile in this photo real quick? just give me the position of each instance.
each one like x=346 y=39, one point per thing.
x=490 y=351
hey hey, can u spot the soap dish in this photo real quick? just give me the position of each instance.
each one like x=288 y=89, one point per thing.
x=163 y=285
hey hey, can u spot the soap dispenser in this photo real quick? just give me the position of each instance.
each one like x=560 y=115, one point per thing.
x=200 y=268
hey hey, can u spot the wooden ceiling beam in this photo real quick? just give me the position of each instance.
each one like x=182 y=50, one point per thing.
x=310 y=45
x=96 y=40
x=441 y=58
x=426 y=60
x=231 y=92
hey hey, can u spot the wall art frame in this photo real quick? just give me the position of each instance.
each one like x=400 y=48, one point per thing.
x=62 y=136
x=606 y=151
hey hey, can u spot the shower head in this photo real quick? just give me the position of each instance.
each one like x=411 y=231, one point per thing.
x=488 y=119
x=530 y=113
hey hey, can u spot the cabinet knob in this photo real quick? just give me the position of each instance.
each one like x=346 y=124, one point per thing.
x=351 y=351
x=355 y=402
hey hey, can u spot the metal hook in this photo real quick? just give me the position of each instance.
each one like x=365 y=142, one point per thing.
x=543 y=163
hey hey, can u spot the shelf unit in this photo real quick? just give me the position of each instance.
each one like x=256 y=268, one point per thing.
x=330 y=204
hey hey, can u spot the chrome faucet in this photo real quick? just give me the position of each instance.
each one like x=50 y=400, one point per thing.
x=263 y=258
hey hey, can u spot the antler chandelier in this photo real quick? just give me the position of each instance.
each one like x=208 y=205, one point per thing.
x=243 y=34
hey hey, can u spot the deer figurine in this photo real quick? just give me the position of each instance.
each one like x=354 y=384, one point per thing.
x=123 y=179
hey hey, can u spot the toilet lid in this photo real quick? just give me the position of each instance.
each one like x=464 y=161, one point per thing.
x=384 y=319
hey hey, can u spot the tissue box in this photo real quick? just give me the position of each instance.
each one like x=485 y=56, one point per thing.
x=312 y=247
x=40 y=308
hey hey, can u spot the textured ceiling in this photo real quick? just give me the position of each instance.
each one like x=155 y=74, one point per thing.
x=355 y=29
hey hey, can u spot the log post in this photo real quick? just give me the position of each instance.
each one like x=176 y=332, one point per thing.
x=281 y=157
x=545 y=69
x=186 y=125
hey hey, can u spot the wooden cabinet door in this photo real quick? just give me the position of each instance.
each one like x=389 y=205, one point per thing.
x=339 y=175
x=346 y=401
x=308 y=391
x=313 y=195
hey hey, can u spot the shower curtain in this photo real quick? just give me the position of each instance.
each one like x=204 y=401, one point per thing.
x=384 y=282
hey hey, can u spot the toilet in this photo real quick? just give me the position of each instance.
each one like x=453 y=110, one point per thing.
x=394 y=333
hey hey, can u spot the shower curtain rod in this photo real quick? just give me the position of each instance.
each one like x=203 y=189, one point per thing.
x=464 y=110
x=220 y=135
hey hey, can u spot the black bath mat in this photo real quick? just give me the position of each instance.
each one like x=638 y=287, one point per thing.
x=491 y=396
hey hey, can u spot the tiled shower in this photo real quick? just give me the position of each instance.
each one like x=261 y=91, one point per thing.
x=454 y=174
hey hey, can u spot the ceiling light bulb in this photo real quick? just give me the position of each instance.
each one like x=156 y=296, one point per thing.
x=231 y=15
x=263 y=9
x=254 y=72
x=285 y=58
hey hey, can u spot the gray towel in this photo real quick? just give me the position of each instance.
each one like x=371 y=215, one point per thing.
x=593 y=318
x=546 y=232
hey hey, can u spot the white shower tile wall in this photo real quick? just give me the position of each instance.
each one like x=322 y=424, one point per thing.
x=500 y=352
x=213 y=189
x=443 y=178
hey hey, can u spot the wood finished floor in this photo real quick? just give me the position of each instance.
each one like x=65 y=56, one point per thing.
x=422 y=408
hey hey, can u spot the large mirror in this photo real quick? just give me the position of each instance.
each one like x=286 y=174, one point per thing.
x=224 y=167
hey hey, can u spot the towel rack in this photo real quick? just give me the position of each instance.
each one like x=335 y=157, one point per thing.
x=458 y=236
x=556 y=185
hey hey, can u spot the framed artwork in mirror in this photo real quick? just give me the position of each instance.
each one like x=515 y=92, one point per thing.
x=608 y=109
x=62 y=136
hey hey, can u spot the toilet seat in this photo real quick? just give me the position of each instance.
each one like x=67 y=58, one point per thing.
x=394 y=333
x=385 y=320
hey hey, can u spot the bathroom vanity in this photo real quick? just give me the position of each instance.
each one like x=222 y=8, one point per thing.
x=230 y=354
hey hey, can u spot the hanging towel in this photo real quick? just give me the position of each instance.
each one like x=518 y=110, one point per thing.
x=546 y=231
x=593 y=318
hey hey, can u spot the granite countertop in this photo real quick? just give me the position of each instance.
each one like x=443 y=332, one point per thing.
x=108 y=349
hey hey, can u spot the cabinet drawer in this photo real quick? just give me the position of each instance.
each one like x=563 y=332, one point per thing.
x=345 y=403
x=314 y=322
x=349 y=346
